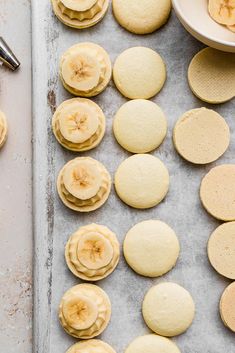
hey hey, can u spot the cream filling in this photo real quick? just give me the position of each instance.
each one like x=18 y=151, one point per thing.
x=102 y=309
x=103 y=69
x=74 y=256
x=89 y=202
x=82 y=15
x=77 y=146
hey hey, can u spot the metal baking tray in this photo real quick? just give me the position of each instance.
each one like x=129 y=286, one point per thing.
x=53 y=222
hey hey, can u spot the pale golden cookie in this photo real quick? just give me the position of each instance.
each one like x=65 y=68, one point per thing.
x=92 y=253
x=168 y=309
x=211 y=75
x=85 y=311
x=80 y=14
x=139 y=72
x=221 y=250
x=85 y=69
x=3 y=129
x=201 y=136
x=140 y=126
x=151 y=248
x=152 y=344
x=79 y=124
x=227 y=307
x=142 y=181
x=141 y=17
x=222 y=11
x=91 y=346
x=84 y=184
x=217 y=192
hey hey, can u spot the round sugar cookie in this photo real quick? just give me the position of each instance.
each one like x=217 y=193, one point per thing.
x=151 y=248
x=221 y=250
x=217 y=192
x=227 y=307
x=139 y=72
x=86 y=14
x=140 y=126
x=91 y=346
x=201 y=136
x=3 y=129
x=152 y=344
x=168 y=309
x=142 y=181
x=211 y=75
x=141 y=17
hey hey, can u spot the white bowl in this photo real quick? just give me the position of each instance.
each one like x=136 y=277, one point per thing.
x=194 y=16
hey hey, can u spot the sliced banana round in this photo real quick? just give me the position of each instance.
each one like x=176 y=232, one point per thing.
x=85 y=69
x=91 y=346
x=85 y=311
x=3 y=129
x=80 y=14
x=92 y=253
x=222 y=11
x=84 y=184
x=79 y=124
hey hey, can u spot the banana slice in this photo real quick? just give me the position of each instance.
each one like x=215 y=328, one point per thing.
x=80 y=312
x=82 y=5
x=80 y=13
x=3 y=129
x=79 y=124
x=85 y=69
x=92 y=253
x=223 y=11
x=81 y=71
x=85 y=311
x=84 y=184
x=91 y=346
x=83 y=180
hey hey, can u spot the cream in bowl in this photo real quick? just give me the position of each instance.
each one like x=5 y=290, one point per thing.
x=196 y=17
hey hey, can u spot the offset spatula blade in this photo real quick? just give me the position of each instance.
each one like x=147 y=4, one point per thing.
x=7 y=56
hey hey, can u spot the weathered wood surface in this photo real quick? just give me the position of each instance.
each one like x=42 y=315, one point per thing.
x=181 y=209
x=15 y=184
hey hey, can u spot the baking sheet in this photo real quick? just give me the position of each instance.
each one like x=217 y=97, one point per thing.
x=53 y=223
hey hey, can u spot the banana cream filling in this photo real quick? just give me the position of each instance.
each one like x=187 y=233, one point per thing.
x=84 y=311
x=93 y=251
x=78 y=126
x=82 y=69
x=3 y=129
x=84 y=182
x=76 y=10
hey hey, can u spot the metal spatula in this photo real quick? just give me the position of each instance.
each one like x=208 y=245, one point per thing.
x=7 y=56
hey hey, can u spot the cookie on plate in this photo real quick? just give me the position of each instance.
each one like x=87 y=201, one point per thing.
x=151 y=248
x=79 y=124
x=201 y=136
x=142 y=181
x=217 y=192
x=152 y=344
x=80 y=14
x=168 y=309
x=85 y=311
x=3 y=129
x=139 y=73
x=91 y=346
x=211 y=75
x=140 y=126
x=85 y=69
x=141 y=17
x=84 y=184
x=92 y=252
